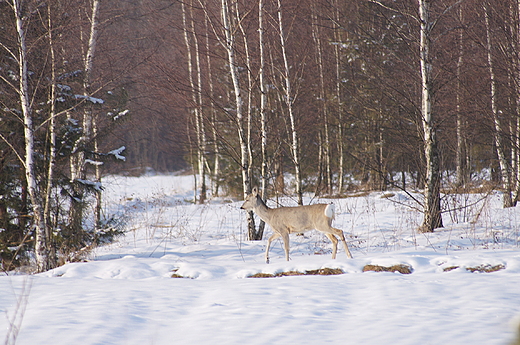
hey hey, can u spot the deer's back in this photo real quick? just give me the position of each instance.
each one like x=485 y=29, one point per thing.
x=300 y=218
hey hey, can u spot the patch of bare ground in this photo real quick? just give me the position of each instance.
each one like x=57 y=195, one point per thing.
x=480 y=269
x=401 y=268
x=321 y=272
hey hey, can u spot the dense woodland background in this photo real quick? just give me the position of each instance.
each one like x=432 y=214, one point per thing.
x=243 y=93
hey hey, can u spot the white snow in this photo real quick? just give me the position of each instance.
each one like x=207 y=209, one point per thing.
x=64 y=88
x=98 y=186
x=120 y=114
x=90 y=161
x=124 y=293
x=117 y=153
x=90 y=99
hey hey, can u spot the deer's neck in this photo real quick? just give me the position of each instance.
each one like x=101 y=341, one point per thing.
x=262 y=210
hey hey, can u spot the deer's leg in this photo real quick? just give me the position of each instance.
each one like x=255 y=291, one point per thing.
x=285 y=237
x=342 y=237
x=273 y=237
x=334 y=241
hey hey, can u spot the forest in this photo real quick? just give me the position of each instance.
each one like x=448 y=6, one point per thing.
x=328 y=97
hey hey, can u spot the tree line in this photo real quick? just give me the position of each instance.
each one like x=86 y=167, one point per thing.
x=404 y=94
x=61 y=98
x=339 y=95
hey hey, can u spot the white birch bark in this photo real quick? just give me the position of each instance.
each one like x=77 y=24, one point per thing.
x=192 y=86
x=51 y=250
x=504 y=167
x=432 y=209
x=78 y=163
x=40 y=247
x=195 y=92
x=216 y=149
x=249 y=109
x=263 y=97
x=295 y=148
x=263 y=111
x=230 y=46
x=92 y=43
x=200 y=127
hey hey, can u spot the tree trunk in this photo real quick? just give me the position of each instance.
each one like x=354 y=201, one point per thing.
x=517 y=76
x=432 y=206
x=216 y=149
x=502 y=160
x=263 y=112
x=295 y=147
x=196 y=96
x=99 y=193
x=341 y=153
x=51 y=249
x=324 y=109
x=201 y=128
x=78 y=164
x=461 y=169
x=40 y=247
x=229 y=45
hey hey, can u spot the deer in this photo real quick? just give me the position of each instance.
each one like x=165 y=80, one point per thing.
x=292 y=220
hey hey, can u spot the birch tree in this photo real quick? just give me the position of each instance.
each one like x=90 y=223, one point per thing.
x=264 y=175
x=195 y=118
x=214 y=132
x=499 y=144
x=249 y=103
x=21 y=56
x=230 y=45
x=432 y=204
x=78 y=168
x=51 y=250
x=289 y=97
x=196 y=92
x=37 y=37
x=461 y=169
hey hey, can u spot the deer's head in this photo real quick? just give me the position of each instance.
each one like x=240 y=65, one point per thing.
x=251 y=201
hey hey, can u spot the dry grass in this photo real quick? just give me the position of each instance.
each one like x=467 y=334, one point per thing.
x=175 y=275
x=263 y=275
x=325 y=271
x=481 y=187
x=451 y=268
x=401 y=268
x=486 y=268
x=480 y=269
x=322 y=272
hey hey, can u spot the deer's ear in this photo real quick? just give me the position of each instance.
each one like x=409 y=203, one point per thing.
x=255 y=191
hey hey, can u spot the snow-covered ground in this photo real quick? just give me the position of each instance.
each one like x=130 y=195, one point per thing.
x=125 y=293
